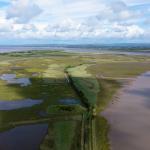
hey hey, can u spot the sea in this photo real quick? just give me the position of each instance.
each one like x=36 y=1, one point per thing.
x=127 y=48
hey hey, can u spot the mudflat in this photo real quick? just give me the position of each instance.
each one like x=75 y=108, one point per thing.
x=129 y=116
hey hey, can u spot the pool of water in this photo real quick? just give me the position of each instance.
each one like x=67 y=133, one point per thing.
x=28 y=137
x=10 y=105
x=69 y=101
x=12 y=79
x=43 y=114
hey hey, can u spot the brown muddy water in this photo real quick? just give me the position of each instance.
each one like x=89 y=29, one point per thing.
x=129 y=116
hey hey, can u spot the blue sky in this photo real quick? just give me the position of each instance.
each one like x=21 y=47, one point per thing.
x=74 y=21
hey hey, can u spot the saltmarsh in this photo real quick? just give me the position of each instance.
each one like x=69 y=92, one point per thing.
x=46 y=71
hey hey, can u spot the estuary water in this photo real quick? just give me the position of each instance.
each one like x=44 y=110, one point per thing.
x=129 y=116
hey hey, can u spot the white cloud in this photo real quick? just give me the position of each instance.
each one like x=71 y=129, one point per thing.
x=136 y=2
x=67 y=19
x=5 y=25
x=23 y=11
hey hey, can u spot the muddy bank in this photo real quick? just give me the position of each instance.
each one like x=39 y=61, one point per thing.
x=129 y=116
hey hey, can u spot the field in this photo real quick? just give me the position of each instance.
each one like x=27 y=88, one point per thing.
x=73 y=87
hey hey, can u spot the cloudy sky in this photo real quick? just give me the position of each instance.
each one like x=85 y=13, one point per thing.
x=74 y=21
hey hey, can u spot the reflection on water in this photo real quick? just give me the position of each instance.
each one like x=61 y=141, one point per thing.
x=11 y=79
x=69 y=101
x=27 y=137
x=10 y=105
x=147 y=74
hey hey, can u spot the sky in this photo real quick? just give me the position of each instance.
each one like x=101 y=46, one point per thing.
x=74 y=21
